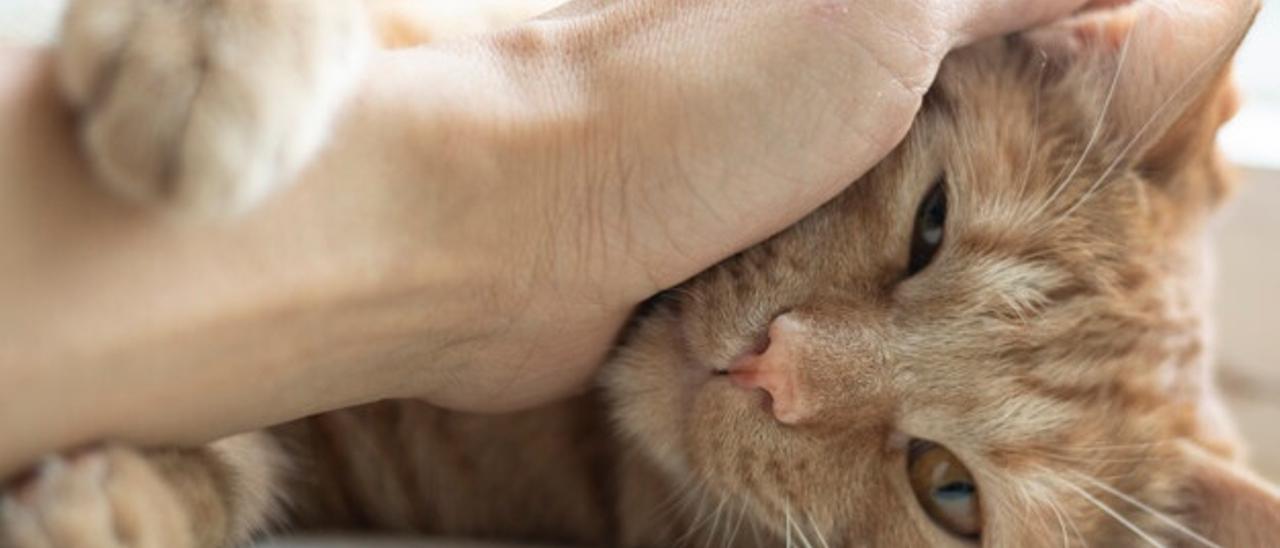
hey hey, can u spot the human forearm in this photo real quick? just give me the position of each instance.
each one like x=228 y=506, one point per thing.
x=119 y=324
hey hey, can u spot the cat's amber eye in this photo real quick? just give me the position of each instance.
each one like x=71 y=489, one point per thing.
x=930 y=227
x=944 y=488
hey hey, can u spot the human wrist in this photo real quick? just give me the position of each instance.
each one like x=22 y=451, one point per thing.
x=486 y=145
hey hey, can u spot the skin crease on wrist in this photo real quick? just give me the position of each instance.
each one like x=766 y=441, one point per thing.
x=486 y=217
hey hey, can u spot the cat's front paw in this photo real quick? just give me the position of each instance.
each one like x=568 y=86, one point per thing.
x=205 y=106
x=106 y=498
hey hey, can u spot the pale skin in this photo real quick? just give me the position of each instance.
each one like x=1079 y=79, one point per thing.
x=486 y=218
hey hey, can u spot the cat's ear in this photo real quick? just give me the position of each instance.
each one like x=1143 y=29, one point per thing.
x=1158 y=71
x=1227 y=504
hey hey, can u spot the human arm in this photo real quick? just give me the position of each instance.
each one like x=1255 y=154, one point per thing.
x=484 y=221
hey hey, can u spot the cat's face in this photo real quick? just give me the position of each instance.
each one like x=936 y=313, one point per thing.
x=996 y=334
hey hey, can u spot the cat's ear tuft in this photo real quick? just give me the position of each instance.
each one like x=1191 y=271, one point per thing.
x=1227 y=504
x=1158 y=70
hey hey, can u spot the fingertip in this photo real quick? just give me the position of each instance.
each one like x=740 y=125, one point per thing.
x=989 y=18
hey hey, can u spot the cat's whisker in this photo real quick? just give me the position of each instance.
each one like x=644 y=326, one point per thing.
x=1086 y=459
x=957 y=192
x=793 y=526
x=755 y=532
x=1097 y=127
x=1115 y=446
x=1108 y=457
x=679 y=500
x=1062 y=523
x=1030 y=499
x=1148 y=509
x=733 y=532
x=696 y=523
x=1035 y=127
x=1064 y=520
x=817 y=531
x=673 y=500
x=1048 y=497
x=788 y=526
x=711 y=518
x=1096 y=461
x=1044 y=204
x=715 y=520
x=1130 y=525
x=804 y=539
x=1209 y=60
x=1074 y=527
x=1023 y=496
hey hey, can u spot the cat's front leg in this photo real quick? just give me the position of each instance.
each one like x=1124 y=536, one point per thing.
x=120 y=497
x=206 y=106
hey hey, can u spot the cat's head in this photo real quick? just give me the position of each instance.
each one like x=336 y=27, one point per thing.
x=999 y=333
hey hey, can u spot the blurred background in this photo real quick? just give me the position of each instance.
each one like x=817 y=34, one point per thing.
x=1246 y=234
x=1248 y=287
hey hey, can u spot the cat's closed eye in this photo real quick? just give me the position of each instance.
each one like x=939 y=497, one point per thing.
x=930 y=227
x=944 y=488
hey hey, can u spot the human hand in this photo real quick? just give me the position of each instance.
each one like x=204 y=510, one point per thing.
x=687 y=131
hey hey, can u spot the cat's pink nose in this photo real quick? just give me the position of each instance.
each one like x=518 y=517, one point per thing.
x=774 y=366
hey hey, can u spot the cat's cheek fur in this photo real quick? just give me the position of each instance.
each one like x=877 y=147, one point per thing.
x=206 y=107
x=650 y=393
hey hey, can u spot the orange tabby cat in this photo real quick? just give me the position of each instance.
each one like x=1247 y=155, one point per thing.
x=997 y=337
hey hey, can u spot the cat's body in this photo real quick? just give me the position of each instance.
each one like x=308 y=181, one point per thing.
x=548 y=474
x=1053 y=342
x=554 y=474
